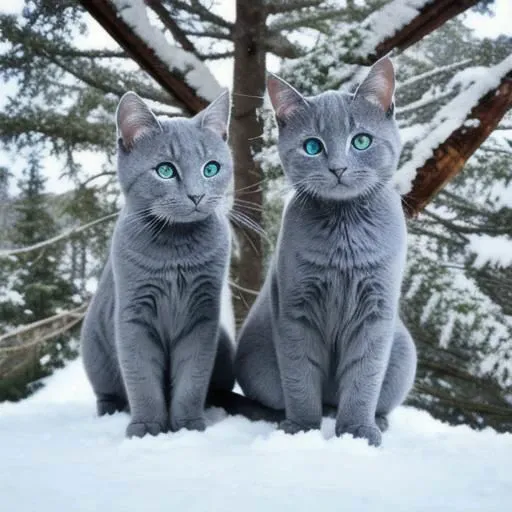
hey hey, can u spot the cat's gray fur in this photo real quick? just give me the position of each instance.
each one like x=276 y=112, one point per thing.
x=325 y=328
x=151 y=334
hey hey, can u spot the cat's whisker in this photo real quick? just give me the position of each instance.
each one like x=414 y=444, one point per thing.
x=244 y=220
x=248 y=95
x=248 y=205
x=251 y=186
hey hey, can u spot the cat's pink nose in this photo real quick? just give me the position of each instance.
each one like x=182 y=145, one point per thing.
x=196 y=199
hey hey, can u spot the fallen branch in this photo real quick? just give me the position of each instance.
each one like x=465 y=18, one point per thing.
x=41 y=331
x=65 y=234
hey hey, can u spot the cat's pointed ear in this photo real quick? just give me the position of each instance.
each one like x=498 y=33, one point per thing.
x=134 y=120
x=215 y=116
x=379 y=85
x=285 y=99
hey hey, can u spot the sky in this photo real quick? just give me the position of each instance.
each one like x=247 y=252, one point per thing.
x=485 y=26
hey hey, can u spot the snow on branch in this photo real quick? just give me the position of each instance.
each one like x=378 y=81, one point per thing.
x=194 y=71
x=401 y=23
x=456 y=132
x=178 y=71
x=6 y=253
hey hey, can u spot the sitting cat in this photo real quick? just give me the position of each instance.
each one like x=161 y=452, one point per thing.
x=325 y=330
x=151 y=339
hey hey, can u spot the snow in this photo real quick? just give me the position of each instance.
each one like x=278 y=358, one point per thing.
x=196 y=73
x=491 y=249
x=385 y=22
x=57 y=456
x=474 y=83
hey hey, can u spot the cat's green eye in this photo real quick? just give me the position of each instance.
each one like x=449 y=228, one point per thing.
x=211 y=169
x=362 y=141
x=313 y=146
x=166 y=170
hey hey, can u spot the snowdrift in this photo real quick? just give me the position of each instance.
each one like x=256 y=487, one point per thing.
x=56 y=456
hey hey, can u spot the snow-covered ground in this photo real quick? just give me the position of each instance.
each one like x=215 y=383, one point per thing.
x=56 y=456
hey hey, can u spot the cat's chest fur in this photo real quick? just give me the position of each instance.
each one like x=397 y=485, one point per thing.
x=342 y=260
x=173 y=282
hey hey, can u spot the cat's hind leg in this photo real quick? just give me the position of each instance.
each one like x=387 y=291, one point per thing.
x=256 y=367
x=103 y=373
x=399 y=376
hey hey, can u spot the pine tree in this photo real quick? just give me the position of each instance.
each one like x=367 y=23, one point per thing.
x=35 y=280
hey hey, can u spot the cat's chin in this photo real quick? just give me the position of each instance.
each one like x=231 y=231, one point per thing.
x=192 y=217
x=189 y=217
x=337 y=194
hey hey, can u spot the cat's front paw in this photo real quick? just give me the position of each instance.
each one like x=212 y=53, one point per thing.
x=139 y=429
x=369 y=432
x=198 y=424
x=291 y=427
x=382 y=422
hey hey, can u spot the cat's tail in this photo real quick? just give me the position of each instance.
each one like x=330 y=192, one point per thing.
x=239 y=405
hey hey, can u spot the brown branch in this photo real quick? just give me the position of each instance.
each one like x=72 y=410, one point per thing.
x=432 y=16
x=450 y=156
x=170 y=80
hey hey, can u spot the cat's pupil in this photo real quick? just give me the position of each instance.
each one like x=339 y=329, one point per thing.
x=211 y=169
x=313 y=146
x=166 y=170
x=362 y=141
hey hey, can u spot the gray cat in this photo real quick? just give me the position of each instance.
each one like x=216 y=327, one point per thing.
x=325 y=330
x=151 y=339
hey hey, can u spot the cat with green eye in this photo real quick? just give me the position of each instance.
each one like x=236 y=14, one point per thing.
x=153 y=341
x=324 y=332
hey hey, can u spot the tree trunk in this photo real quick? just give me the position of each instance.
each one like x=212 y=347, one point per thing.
x=246 y=128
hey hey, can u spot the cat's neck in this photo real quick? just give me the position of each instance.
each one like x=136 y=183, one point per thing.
x=148 y=227
x=168 y=244
x=357 y=208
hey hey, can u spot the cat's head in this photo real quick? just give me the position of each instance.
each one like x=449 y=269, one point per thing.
x=337 y=145
x=178 y=170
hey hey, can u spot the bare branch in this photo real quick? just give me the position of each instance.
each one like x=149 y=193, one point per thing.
x=279 y=45
x=173 y=27
x=208 y=33
x=310 y=20
x=217 y=56
x=65 y=234
x=429 y=74
x=205 y=14
x=282 y=6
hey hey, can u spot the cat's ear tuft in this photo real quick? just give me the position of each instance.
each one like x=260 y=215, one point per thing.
x=285 y=99
x=215 y=116
x=134 y=120
x=379 y=85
